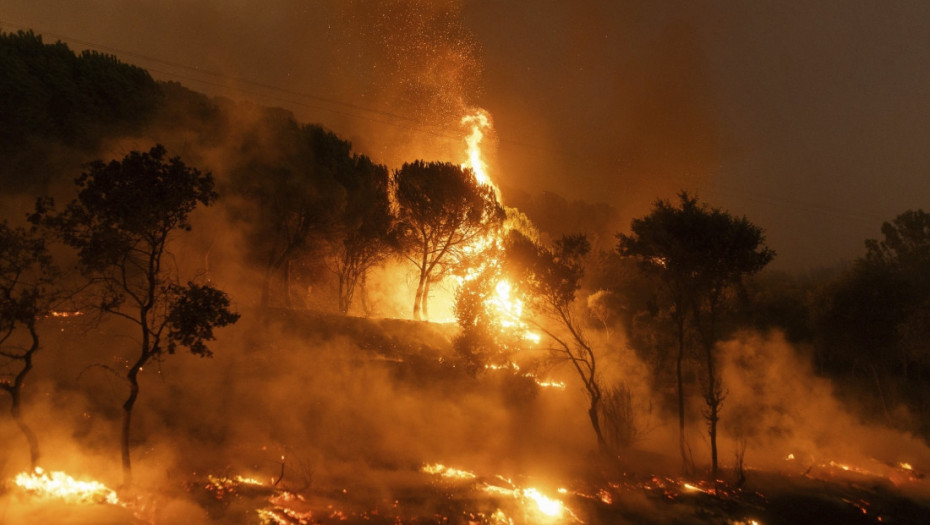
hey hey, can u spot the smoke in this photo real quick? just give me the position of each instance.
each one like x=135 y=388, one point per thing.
x=779 y=407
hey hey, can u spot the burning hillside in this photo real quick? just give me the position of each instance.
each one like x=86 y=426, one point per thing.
x=220 y=330
x=380 y=429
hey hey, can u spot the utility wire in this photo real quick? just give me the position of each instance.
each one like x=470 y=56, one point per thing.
x=379 y=116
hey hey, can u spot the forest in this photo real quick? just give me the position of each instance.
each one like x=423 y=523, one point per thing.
x=413 y=344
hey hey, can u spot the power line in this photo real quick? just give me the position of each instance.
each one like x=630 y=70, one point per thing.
x=380 y=116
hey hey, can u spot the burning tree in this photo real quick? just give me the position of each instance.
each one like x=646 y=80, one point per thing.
x=121 y=223
x=700 y=254
x=552 y=278
x=443 y=213
x=26 y=273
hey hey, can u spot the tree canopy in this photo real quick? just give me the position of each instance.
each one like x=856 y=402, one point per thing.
x=698 y=253
x=442 y=211
x=120 y=224
x=50 y=94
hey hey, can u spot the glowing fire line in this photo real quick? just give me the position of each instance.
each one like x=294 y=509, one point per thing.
x=59 y=485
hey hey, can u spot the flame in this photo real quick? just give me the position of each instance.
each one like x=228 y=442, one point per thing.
x=59 y=485
x=478 y=122
x=560 y=385
x=544 y=383
x=503 y=304
x=548 y=506
x=693 y=488
x=447 y=472
x=65 y=314
x=499 y=518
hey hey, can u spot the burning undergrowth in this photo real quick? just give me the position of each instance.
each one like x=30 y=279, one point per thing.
x=327 y=419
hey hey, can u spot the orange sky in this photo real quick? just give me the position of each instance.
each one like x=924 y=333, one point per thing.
x=810 y=118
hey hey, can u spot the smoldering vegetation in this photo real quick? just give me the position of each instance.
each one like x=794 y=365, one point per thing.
x=333 y=415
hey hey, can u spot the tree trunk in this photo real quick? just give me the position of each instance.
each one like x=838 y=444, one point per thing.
x=16 y=412
x=266 y=282
x=685 y=464
x=418 y=299
x=343 y=302
x=602 y=445
x=425 y=303
x=16 y=391
x=714 y=396
x=287 y=284
x=133 y=377
x=366 y=308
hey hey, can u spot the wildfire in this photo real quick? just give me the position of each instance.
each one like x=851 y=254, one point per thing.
x=530 y=498
x=478 y=122
x=548 y=506
x=447 y=472
x=65 y=314
x=503 y=304
x=542 y=383
x=59 y=485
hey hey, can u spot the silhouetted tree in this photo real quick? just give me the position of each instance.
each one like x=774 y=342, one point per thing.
x=121 y=222
x=442 y=211
x=874 y=319
x=26 y=274
x=364 y=228
x=552 y=278
x=700 y=254
x=53 y=100
x=292 y=198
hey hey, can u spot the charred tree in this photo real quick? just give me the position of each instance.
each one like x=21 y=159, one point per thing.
x=121 y=222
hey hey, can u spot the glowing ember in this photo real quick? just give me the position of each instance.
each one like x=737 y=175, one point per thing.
x=58 y=485
x=499 y=518
x=248 y=481
x=551 y=384
x=692 y=488
x=544 y=383
x=549 y=507
x=905 y=465
x=66 y=314
x=447 y=472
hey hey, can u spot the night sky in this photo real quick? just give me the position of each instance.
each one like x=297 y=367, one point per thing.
x=811 y=118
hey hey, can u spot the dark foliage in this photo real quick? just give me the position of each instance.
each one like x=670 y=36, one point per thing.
x=442 y=210
x=26 y=291
x=51 y=96
x=120 y=224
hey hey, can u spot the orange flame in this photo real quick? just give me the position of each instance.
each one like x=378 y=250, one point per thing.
x=479 y=121
x=59 y=485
